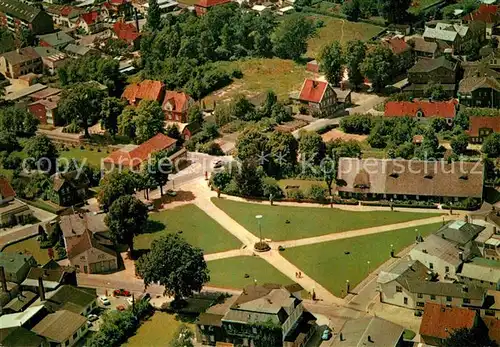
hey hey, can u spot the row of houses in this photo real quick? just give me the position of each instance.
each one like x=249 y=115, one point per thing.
x=41 y=305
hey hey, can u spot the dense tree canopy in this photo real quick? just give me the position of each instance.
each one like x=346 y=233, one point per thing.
x=111 y=109
x=174 y=264
x=290 y=38
x=18 y=121
x=491 y=146
x=378 y=66
x=355 y=53
x=42 y=153
x=116 y=184
x=394 y=11
x=332 y=61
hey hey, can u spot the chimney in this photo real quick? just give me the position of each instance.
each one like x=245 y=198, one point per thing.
x=315 y=84
x=3 y=279
x=461 y=256
x=370 y=338
x=41 y=289
x=136 y=19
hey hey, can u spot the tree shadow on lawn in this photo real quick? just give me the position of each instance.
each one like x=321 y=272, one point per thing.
x=181 y=196
x=153 y=226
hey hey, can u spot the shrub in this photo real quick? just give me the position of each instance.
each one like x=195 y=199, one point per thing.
x=357 y=124
x=231 y=188
x=295 y=194
x=317 y=193
x=262 y=247
x=270 y=186
x=303 y=109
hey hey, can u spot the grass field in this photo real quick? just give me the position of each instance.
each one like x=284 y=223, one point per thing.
x=336 y=29
x=93 y=158
x=328 y=264
x=30 y=246
x=197 y=228
x=260 y=75
x=230 y=272
x=308 y=221
x=159 y=330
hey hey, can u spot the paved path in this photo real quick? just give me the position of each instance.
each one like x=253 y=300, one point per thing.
x=359 y=232
x=229 y=254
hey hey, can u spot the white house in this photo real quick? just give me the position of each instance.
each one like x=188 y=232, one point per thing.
x=482 y=273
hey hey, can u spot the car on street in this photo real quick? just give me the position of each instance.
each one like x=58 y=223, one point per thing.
x=171 y=192
x=92 y=317
x=218 y=164
x=104 y=300
x=327 y=334
x=130 y=301
x=121 y=292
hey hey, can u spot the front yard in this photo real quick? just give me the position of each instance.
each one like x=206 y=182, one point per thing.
x=197 y=228
x=230 y=272
x=90 y=157
x=332 y=263
x=30 y=246
x=308 y=221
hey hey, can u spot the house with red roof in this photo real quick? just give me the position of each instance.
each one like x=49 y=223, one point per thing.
x=12 y=211
x=488 y=14
x=422 y=110
x=46 y=110
x=397 y=45
x=121 y=8
x=91 y=22
x=439 y=321
x=202 y=6
x=133 y=156
x=481 y=127
x=321 y=98
x=145 y=90
x=176 y=106
x=127 y=32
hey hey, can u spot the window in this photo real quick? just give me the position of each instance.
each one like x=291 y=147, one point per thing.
x=202 y=327
x=431 y=266
x=420 y=304
x=466 y=301
x=399 y=289
x=489 y=313
x=433 y=297
x=75 y=335
x=448 y=298
x=405 y=301
x=420 y=295
x=446 y=269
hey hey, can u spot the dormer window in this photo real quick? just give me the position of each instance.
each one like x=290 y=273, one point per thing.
x=394 y=175
x=419 y=114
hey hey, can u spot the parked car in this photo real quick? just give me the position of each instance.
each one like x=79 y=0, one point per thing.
x=92 y=317
x=170 y=192
x=104 y=300
x=146 y=296
x=130 y=301
x=326 y=335
x=218 y=164
x=121 y=292
x=150 y=206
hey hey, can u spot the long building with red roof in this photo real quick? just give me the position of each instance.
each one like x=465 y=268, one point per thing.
x=145 y=90
x=422 y=109
x=481 y=127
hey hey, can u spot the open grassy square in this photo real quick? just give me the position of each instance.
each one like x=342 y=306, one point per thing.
x=308 y=221
x=197 y=228
x=336 y=29
x=328 y=264
x=159 y=330
x=29 y=246
x=230 y=272
x=92 y=158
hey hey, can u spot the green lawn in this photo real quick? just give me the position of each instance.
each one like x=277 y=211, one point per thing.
x=328 y=264
x=230 y=272
x=93 y=158
x=30 y=246
x=336 y=29
x=196 y=226
x=159 y=330
x=308 y=221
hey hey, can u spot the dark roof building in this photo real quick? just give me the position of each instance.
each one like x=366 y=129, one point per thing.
x=67 y=297
x=57 y=40
x=63 y=328
x=369 y=331
x=14 y=14
x=20 y=337
x=459 y=232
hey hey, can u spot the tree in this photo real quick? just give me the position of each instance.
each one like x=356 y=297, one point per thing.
x=173 y=132
x=438 y=125
x=126 y=218
x=283 y=149
x=351 y=10
x=461 y=120
x=184 y=337
x=464 y=337
x=357 y=124
x=471 y=49
x=290 y=38
x=430 y=146
x=154 y=15
x=81 y=104
x=7 y=43
x=459 y=143
x=331 y=61
x=436 y=92
x=149 y=120
x=211 y=147
x=174 y=264
x=378 y=66
x=404 y=151
x=116 y=184
x=111 y=109
x=158 y=169
x=280 y=113
x=244 y=109
x=266 y=109
x=491 y=145
x=249 y=180
x=195 y=114
x=42 y=153
x=8 y=141
x=355 y=53
x=251 y=145
x=25 y=37
x=311 y=147
x=18 y=120
x=125 y=121
x=394 y=11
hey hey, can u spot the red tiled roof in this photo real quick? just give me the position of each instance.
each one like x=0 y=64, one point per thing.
x=485 y=13
x=90 y=17
x=439 y=321
x=476 y=123
x=140 y=153
x=145 y=90
x=6 y=190
x=66 y=10
x=493 y=325
x=126 y=31
x=313 y=91
x=180 y=100
x=210 y=3
x=397 y=45
x=439 y=109
x=118 y=2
